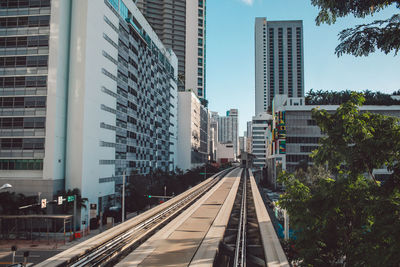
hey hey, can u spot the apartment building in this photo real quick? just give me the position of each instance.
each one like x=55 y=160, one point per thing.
x=279 y=61
x=228 y=129
x=259 y=129
x=181 y=26
x=192 y=131
x=295 y=134
x=87 y=91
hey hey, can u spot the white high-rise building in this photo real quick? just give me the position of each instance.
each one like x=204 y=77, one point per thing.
x=213 y=136
x=228 y=129
x=279 y=61
x=192 y=131
x=88 y=91
x=181 y=26
x=260 y=124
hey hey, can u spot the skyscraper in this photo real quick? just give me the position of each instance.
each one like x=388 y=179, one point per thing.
x=228 y=129
x=279 y=61
x=181 y=26
x=87 y=91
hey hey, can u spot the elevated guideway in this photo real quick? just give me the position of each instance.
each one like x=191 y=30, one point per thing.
x=109 y=247
x=221 y=222
x=228 y=226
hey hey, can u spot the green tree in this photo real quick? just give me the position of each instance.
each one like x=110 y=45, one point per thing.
x=363 y=39
x=320 y=97
x=342 y=215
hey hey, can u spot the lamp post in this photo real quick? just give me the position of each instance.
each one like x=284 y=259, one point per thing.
x=5 y=186
x=123 y=196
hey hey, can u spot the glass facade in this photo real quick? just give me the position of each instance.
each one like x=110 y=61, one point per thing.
x=24 y=43
x=143 y=99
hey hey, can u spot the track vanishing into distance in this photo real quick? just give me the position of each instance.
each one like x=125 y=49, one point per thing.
x=117 y=242
x=221 y=222
x=244 y=244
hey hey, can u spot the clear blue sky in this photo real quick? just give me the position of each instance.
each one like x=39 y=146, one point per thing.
x=230 y=53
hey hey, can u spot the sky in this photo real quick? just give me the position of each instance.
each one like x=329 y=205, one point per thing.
x=230 y=54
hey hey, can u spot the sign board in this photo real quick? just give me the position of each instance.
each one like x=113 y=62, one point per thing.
x=60 y=200
x=43 y=203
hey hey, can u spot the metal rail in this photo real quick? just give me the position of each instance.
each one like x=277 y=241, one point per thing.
x=110 y=250
x=240 y=248
x=241 y=245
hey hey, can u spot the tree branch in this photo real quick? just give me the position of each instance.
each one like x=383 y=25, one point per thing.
x=366 y=38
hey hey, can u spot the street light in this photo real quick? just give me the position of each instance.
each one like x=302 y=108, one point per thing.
x=5 y=186
x=123 y=195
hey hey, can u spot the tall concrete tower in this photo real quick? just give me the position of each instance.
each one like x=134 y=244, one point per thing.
x=279 y=61
x=181 y=26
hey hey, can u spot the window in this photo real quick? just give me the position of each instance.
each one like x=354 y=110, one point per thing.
x=123 y=10
x=23 y=102
x=21 y=164
x=200 y=13
x=24 y=3
x=114 y=4
x=200 y=61
x=200 y=23
x=199 y=92
x=308 y=149
x=200 y=42
x=199 y=81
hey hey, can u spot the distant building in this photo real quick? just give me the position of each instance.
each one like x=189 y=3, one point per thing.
x=260 y=125
x=192 y=131
x=249 y=144
x=228 y=131
x=295 y=134
x=213 y=136
x=181 y=26
x=225 y=153
x=242 y=144
x=248 y=132
x=279 y=61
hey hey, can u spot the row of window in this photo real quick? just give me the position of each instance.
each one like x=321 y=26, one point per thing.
x=24 y=41
x=26 y=21
x=23 y=61
x=308 y=149
x=302 y=140
x=21 y=164
x=23 y=81
x=23 y=102
x=297 y=158
x=22 y=143
x=24 y=4
x=23 y=123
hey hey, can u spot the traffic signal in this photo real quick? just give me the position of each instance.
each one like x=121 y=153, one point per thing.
x=149 y=196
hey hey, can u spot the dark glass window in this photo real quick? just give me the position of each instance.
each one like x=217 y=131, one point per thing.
x=23 y=102
x=24 y=61
x=23 y=3
x=21 y=164
x=22 y=143
x=22 y=81
x=31 y=21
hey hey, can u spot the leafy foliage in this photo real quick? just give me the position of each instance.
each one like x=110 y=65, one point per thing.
x=320 y=97
x=362 y=39
x=342 y=217
x=153 y=184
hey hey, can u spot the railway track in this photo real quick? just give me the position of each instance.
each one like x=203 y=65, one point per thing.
x=108 y=250
x=242 y=244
